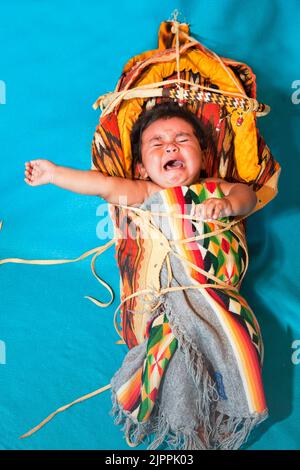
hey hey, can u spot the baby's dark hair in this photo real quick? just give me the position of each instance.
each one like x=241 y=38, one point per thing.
x=165 y=110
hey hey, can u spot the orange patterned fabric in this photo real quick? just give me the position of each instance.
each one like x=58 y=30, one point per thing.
x=240 y=155
x=235 y=145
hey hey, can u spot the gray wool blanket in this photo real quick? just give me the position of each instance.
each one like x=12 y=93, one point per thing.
x=204 y=397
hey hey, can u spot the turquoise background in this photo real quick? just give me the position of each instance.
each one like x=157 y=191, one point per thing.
x=56 y=58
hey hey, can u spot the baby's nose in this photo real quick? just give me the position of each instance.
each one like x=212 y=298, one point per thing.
x=170 y=148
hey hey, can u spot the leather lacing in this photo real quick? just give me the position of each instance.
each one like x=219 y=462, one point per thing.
x=152 y=293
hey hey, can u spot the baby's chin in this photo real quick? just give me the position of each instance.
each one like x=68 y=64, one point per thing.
x=177 y=180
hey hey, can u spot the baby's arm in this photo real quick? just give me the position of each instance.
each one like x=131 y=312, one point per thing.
x=239 y=199
x=89 y=182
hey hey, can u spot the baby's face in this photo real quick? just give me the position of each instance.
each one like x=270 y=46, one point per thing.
x=171 y=153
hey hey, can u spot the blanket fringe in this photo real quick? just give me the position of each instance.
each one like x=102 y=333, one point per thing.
x=218 y=430
x=229 y=433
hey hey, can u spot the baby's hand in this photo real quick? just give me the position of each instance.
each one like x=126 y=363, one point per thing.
x=39 y=172
x=214 y=208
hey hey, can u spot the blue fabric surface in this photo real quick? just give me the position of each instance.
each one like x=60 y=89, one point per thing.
x=56 y=58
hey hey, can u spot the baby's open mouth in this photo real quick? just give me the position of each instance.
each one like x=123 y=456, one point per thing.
x=172 y=164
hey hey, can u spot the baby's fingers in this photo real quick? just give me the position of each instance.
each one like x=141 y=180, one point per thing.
x=210 y=209
x=31 y=181
x=217 y=209
x=35 y=171
x=28 y=167
x=31 y=176
x=28 y=178
x=202 y=211
x=33 y=164
x=197 y=212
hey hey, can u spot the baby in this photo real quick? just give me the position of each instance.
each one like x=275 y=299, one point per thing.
x=169 y=150
x=168 y=146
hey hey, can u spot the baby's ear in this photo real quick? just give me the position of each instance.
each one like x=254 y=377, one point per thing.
x=203 y=159
x=142 y=170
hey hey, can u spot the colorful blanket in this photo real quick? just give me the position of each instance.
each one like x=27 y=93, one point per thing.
x=194 y=376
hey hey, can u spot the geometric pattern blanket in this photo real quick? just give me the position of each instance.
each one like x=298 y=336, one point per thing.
x=202 y=336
